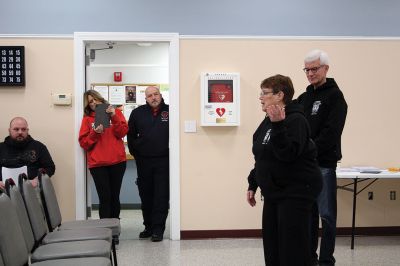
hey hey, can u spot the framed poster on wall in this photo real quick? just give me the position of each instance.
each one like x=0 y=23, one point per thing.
x=220 y=99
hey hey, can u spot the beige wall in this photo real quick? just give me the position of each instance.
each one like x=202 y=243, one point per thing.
x=49 y=68
x=215 y=161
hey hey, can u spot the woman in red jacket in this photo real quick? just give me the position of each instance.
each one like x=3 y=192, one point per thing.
x=106 y=155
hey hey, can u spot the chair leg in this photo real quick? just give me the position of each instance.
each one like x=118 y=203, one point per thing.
x=114 y=252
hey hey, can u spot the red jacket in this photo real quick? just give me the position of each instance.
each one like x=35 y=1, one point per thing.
x=108 y=147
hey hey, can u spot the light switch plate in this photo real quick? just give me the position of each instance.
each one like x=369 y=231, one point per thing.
x=190 y=126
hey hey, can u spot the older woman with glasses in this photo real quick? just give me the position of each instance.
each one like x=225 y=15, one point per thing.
x=287 y=173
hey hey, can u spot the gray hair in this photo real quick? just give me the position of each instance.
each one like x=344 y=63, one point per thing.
x=315 y=55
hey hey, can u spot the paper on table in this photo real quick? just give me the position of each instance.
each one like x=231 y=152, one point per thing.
x=361 y=169
x=367 y=169
x=13 y=173
x=346 y=169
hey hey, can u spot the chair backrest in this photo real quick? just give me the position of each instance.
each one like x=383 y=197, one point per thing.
x=19 y=205
x=12 y=244
x=33 y=207
x=49 y=201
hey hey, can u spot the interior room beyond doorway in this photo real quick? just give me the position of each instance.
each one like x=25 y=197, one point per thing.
x=139 y=64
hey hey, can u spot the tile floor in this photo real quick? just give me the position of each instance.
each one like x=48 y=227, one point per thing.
x=369 y=251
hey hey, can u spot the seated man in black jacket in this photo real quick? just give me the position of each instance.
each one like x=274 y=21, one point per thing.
x=20 y=149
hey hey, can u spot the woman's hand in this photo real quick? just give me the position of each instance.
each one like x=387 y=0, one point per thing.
x=276 y=113
x=110 y=110
x=99 y=129
x=250 y=198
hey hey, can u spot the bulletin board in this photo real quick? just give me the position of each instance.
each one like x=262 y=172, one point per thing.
x=127 y=97
x=220 y=95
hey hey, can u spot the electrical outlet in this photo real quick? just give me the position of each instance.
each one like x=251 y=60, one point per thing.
x=370 y=195
x=392 y=195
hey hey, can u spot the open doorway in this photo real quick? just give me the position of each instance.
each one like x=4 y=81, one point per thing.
x=98 y=48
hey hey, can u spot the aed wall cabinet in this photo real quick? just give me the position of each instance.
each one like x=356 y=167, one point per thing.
x=220 y=99
x=12 y=66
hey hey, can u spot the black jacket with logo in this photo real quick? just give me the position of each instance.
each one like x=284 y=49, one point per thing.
x=325 y=109
x=285 y=158
x=30 y=153
x=148 y=135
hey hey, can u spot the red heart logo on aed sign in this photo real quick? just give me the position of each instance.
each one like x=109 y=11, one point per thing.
x=220 y=111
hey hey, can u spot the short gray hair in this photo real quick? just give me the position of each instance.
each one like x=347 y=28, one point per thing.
x=315 y=55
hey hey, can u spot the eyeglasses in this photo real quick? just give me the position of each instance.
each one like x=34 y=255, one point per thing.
x=313 y=69
x=265 y=93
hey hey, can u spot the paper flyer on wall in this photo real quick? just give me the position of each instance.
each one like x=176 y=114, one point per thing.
x=116 y=95
x=128 y=108
x=130 y=93
x=103 y=90
x=140 y=95
x=164 y=90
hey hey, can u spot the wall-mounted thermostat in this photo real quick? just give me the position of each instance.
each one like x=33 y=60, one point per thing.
x=61 y=98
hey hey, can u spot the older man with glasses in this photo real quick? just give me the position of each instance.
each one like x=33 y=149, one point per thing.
x=325 y=109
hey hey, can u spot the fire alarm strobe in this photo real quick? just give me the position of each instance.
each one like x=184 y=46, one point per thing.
x=117 y=76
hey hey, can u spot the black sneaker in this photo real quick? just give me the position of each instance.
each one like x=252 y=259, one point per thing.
x=314 y=262
x=156 y=238
x=145 y=234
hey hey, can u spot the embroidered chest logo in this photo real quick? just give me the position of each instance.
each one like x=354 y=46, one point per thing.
x=28 y=157
x=267 y=137
x=315 y=107
x=164 y=116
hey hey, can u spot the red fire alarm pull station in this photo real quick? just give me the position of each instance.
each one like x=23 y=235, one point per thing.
x=117 y=76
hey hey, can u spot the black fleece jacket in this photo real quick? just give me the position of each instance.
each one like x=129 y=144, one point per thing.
x=29 y=152
x=148 y=135
x=325 y=109
x=285 y=158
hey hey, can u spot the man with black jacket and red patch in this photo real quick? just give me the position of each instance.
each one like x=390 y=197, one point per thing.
x=148 y=139
x=325 y=109
x=20 y=149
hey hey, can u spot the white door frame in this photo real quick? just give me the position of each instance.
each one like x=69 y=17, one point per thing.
x=80 y=40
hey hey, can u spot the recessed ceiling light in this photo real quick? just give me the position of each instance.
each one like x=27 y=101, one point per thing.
x=144 y=44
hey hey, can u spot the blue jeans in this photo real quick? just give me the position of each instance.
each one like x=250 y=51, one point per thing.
x=326 y=209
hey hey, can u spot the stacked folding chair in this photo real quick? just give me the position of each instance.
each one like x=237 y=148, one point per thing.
x=14 y=249
x=54 y=220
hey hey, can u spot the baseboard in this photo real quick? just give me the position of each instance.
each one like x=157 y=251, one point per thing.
x=199 y=234
x=124 y=206
x=370 y=231
x=256 y=233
